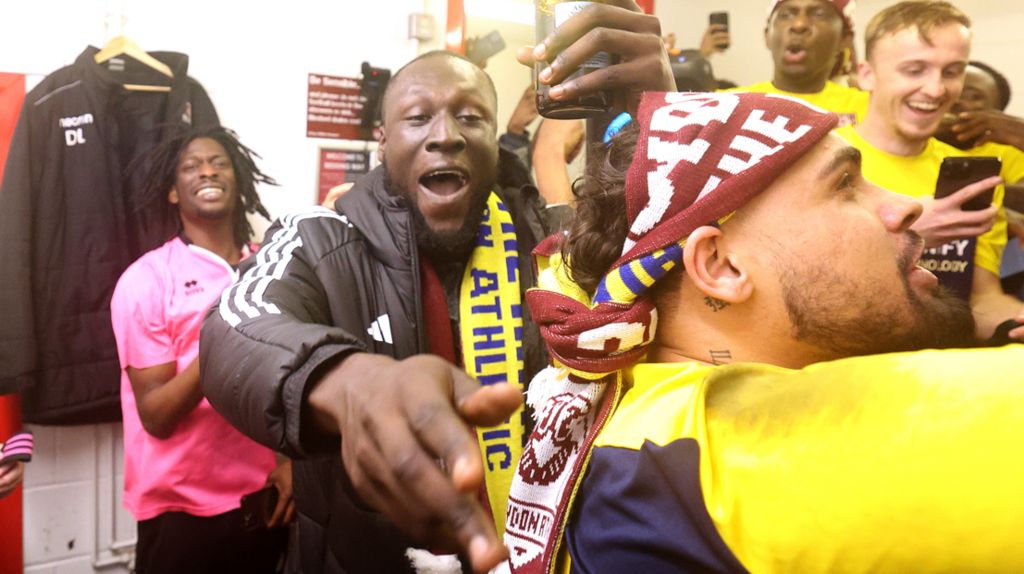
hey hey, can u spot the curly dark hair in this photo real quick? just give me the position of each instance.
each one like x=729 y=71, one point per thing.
x=598 y=230
x=161 y=166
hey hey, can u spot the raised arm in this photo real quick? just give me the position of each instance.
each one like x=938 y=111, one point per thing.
x=985 y=126
x=618 y=27
x=557 y=143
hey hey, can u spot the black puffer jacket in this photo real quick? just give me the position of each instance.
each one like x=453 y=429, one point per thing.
x=324 y=284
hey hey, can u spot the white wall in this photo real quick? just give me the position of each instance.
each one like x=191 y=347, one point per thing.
x=74 y=522
x=996 y=35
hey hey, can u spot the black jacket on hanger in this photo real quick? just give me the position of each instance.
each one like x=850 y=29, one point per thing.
x=69 y=225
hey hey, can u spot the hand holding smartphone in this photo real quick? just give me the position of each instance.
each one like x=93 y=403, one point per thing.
x=721 y=19
x=955 y=173
x=480 y=48
x=258 y=507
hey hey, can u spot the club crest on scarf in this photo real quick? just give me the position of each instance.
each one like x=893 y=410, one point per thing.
x=698 y=158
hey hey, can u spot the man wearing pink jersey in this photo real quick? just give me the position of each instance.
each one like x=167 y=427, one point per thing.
x=186 y=468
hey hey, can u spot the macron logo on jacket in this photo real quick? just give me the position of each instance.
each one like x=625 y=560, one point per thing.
x=380 y=329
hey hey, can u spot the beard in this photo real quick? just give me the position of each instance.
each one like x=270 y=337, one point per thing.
x=842 y=320
x=443 y=246
x=208 y=213
x=215 y=213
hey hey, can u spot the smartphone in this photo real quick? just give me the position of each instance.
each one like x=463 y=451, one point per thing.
x=720 y=18
x=480 y=49
x=957 y=172
x=258 y=507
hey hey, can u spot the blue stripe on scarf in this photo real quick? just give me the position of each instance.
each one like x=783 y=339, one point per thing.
x=657 y=267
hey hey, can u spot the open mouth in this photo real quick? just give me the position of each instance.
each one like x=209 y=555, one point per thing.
x=445 y=182
x=911 y=263
x=912 y=251
x=210 y=193
x=794 y=53
x=921 y=277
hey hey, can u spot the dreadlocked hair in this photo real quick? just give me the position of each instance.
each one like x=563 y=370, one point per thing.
x=161 y=165
x=598 y=229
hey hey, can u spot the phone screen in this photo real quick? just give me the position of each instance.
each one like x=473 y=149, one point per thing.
x=957 y=172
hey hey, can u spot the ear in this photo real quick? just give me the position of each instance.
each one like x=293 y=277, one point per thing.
x=381 y=145
x=172 y=196
x=713 y=269
x=766 y=44
x=865 y=76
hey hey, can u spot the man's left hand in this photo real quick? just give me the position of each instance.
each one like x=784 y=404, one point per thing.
x=715 y=37
x=281 y=478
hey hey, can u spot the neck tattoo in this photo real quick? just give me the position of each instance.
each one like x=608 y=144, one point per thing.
x=720 y=357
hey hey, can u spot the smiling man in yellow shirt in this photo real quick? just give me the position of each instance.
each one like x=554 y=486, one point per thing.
x=917 y=53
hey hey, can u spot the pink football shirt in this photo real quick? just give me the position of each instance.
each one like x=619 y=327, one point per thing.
x=206 y=465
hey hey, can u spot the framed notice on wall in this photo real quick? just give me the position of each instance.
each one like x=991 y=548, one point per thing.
x=334 y=108
x=338 y=166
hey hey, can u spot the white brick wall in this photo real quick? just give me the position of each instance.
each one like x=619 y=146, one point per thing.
x=74 y=521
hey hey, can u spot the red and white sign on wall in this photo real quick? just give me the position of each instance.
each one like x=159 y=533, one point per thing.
x=338 y=166
x=334 y=108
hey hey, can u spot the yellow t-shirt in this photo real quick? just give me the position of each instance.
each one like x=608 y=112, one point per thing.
x=850 y=103
x=916 y=176
x=904 y=462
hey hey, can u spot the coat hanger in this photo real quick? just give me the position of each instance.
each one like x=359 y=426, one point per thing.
x=124 y=46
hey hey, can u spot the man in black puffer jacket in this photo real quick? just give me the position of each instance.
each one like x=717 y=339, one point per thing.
x=337 y=327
